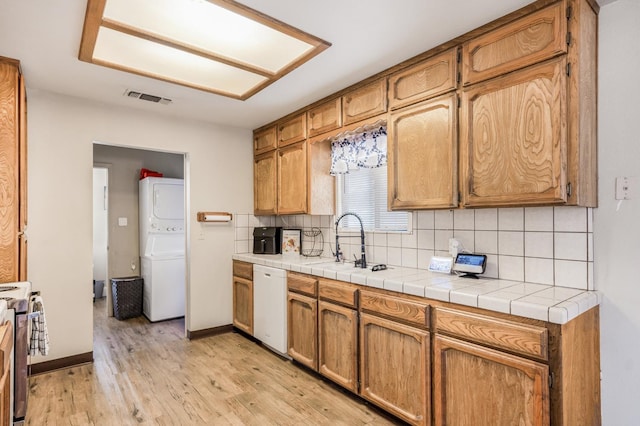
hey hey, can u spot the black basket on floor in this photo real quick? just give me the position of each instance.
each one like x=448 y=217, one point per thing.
x=127 y=297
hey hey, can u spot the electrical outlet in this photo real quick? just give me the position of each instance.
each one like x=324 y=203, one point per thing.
x=623 y=188
x=133 y=266
x=454 y=247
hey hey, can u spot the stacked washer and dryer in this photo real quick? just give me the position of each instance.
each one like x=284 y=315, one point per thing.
x=162 y=247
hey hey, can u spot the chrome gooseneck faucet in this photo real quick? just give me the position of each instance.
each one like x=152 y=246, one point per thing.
x=362 y=263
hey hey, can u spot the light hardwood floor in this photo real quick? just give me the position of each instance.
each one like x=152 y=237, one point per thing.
x=149 y=374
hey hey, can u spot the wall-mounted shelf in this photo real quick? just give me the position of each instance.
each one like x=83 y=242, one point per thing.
x=214 y=217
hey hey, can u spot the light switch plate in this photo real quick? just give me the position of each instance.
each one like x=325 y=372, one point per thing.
x=441 y=264
x=122 y=221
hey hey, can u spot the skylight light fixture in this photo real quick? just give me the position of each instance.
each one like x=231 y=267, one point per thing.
x=218 y=46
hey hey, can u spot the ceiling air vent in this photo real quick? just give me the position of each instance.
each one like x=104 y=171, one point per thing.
x=147 y=97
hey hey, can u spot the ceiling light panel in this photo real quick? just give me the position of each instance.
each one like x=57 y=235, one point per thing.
x=211 y=29
x=143 y=56
x=219 y=46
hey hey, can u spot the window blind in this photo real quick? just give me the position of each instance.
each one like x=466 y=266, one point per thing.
x=364 y=192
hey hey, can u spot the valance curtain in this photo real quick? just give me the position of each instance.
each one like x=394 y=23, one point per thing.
x=363 y=148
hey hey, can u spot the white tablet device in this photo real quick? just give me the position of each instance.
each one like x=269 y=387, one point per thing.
x=470 y=263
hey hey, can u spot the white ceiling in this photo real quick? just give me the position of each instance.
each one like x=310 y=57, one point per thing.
x=367 y=36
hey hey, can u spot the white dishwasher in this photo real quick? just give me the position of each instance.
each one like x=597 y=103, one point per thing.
x=270 y=307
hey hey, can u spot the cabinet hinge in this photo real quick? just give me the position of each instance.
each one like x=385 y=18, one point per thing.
x=569 y=38
x=459 y=56
x=569 y=189
x=551 y=380
x=569 y=12
x=458 y=97
x=569 y=69
x=458 y=78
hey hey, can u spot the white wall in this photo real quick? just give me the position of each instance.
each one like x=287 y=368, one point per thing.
x=617 y=231
x=61 y=134
x=100 y=217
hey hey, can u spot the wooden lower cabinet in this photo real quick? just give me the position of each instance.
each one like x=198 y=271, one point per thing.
x=476 y=386
x=302 y=326
x=338 y=344
x=6 y=344
x=395 y=368
x=243 y=304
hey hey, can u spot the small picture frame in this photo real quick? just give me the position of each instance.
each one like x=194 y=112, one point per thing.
x=291 y=242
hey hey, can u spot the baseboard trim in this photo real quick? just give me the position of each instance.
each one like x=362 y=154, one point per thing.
x=60 y=363
x=207 y=332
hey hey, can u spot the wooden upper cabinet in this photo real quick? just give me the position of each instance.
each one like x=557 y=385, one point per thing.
x=325 y=117
x=265 y=140
x=265 y=181
x=513 y=142
x=293 y=130
x=423 y=155
x=430 y=78
x=534 y=38
x=292 y=179
x=474 y=385
x=364 y=102
x=12 y=201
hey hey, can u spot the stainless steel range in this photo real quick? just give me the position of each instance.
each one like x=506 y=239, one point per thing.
x=17 y=296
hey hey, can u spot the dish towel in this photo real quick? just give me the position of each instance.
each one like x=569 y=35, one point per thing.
x=39 y=343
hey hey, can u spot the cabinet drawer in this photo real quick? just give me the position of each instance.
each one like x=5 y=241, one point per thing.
x=243 y=269
x=293 y=130
x=265 y=140
x=338 y=292
x=520 y=338
x=325 y=117
x=365 y=102
x=432 y=77
x=408 y=311
x=304 y=284
x=532 y=39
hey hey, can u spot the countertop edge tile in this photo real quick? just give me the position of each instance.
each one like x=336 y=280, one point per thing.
x=420 y=282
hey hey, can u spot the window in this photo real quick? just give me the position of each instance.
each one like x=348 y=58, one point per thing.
x=359 y=162
x=364 y=191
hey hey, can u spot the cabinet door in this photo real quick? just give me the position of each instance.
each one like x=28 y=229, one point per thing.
x=365 y=102
x=529 y=40
x=293 y=130
x=422 y=166
x=479 y=386
x=302 y=315
x=265 y=140
x=6 y=344
x=292 y=179
x=325 y=117
x=395 y=368
x=243 y=304
x=430 y=78
x=9 y=171
x=264 y=184
x=22 y=272
x=338 y=343
x=513 y=138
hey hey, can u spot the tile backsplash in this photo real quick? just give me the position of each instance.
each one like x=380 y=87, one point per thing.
x=544 y=245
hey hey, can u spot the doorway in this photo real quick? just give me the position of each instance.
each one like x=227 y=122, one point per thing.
x=100 y=230
x=124 y=166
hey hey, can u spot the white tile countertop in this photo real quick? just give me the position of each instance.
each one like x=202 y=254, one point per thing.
x=537 y=301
